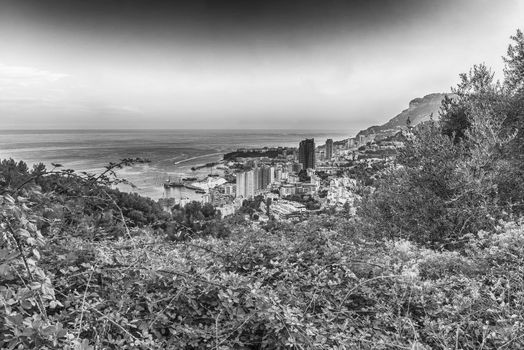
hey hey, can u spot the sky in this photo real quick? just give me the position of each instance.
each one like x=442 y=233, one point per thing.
x=273 y=64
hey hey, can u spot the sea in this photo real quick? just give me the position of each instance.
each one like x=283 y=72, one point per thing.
x=172 y=153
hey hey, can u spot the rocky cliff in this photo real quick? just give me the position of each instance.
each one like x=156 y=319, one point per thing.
x=419 y=110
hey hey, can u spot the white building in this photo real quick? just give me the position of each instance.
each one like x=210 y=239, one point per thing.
x=245 y=184
x=230 y=189
x=271 y=175
x=287 y=190
x=292 y=178
x=278 y=174
x=209 y=183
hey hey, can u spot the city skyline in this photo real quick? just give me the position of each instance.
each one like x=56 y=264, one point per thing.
x=231 y=64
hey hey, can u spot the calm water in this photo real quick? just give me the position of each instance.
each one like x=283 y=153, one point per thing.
x=172 y=152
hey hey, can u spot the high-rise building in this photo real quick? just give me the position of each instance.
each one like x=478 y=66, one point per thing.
x=257 y=178
x=261 y=178
x=329 y=149
x=306 y=153
x=278 y=174
x=250 y=184
x=246 y=184
x=241 y=185
x=268 y=176
x=265 y=177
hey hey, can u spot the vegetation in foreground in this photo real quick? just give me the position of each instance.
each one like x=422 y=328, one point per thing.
x=433 y=260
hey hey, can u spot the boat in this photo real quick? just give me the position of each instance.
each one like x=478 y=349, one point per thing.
x=190 y=179
x=173 y=184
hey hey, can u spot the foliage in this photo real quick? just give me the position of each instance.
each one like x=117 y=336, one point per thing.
x=303 y=176
x=453 y=119
x=514 y=70
x=475 y=90
x=195 y=219
x=251 y=206
x=308 y=200
x=366 y=174
x=455 y=177
x=318 y=284
x=140 y=210
x=13 y=174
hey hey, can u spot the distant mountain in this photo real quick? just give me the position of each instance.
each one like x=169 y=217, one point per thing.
x=419 y=110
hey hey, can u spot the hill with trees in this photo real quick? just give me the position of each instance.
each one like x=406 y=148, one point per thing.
x=420 y=110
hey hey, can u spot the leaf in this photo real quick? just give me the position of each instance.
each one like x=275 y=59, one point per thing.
x=36 y=254
x=26 y=304
x=48 y=291
x=4 y=269
x=40 y=273
x=85 y=345
x=31 y=227
x=35 y=285
x=6 y=254
x=28 y=332
x=48 y=330
x=24 y=233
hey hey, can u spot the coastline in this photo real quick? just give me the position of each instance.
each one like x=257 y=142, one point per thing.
x=91 y=150
x=197 y=157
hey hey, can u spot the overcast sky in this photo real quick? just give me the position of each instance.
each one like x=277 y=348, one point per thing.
x=327 y=64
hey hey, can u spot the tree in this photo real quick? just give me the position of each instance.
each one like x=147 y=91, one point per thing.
x=444 y=188
x=514 y=88
x=514 y=64
x=476 y=88
x=13 y=173
x=303 y=177
x=453 y=118
x=208 y=210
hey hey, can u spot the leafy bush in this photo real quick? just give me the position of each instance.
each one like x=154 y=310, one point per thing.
x=443 y=189
x=316 y=284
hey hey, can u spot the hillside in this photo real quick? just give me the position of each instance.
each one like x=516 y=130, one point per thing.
x=419 y=110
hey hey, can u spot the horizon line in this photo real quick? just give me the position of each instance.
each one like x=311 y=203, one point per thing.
x=164 y=129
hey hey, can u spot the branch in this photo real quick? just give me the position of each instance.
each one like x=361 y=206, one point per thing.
x=83 y=303
x=181 y=274
x=40 y=303
x=362 y=283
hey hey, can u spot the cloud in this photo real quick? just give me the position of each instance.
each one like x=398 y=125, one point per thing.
x=25 y=87
x=116 y=110
x=30 y=83
x=21 y=75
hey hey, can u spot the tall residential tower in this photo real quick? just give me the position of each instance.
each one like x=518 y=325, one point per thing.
x=306 y=153
x=329 y=149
